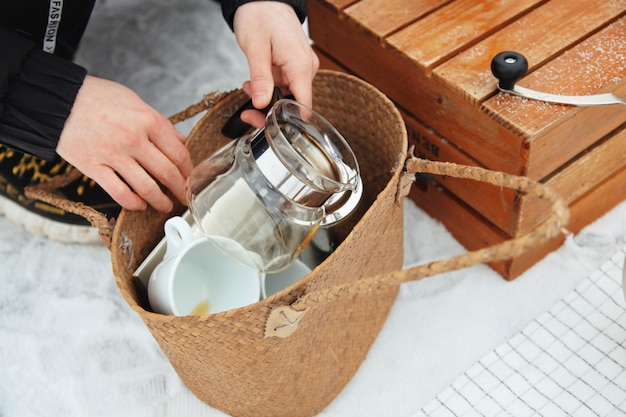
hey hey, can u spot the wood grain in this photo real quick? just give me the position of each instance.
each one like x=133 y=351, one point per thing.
x=432 y=58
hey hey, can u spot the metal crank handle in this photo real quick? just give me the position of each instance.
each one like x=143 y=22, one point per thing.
x=509 y=67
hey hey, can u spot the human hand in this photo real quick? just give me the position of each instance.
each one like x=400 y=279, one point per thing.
x=278 y=53
x=112 y=133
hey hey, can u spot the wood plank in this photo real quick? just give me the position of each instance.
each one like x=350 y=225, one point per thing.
x=470 y=229
x=594 y=66
x=497 y=205
x=384 y=17
x=506 y=209
x=512 y=212
x=572 y=149
x=594 y=204
x=453 y=27
x=474 y=232
x=338 y=5
x=580 y=176
x=492 y=144
x=539 y=35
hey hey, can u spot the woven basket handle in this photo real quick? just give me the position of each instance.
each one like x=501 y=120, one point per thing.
x=511 y=248
x=281 y=319
x=46 y=191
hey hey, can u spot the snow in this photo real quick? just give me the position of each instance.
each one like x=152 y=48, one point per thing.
x=72 y=347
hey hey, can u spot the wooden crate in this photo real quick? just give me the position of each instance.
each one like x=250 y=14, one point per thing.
x=474 y=231
x=432 y=57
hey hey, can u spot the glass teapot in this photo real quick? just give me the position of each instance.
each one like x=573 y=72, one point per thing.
x=262 y=197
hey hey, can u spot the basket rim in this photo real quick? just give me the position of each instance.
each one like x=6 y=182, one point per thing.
x=280 y=298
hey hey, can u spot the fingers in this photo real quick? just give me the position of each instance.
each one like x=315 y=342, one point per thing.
x=115 y=138
x=165 y=171
x=253 y=117
x=181 y=137
x=162 y=158
x=278 y=51
x=162 y=134
x=157 y=157
x=261 y=78
x=140 y=185
x=134 y=183
x=299 y=75
x=117 y=189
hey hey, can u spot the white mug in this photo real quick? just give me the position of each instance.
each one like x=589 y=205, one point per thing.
x=196 y=277
x=272 y=283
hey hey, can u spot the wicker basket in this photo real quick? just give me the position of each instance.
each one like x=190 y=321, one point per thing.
x=292 y=353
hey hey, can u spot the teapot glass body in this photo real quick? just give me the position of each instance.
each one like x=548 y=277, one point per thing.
x=262 y=197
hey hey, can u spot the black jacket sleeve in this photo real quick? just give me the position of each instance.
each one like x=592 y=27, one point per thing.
x=229 y=7
x=37 y=91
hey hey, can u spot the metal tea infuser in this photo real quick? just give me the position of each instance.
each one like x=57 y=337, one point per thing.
x=509 y=67
x=263 y=196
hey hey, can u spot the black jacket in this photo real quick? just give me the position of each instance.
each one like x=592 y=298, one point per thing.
x=38 y=81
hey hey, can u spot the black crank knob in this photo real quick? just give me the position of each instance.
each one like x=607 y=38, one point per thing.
x=508 y=67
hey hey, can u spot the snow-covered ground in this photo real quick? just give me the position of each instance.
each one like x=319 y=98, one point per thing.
x=70 y=346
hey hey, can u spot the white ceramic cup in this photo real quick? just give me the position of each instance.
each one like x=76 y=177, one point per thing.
x=272 y=283
x=196 y=277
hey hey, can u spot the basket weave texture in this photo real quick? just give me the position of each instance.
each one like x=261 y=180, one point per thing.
x=225 y=359
x=292 y=353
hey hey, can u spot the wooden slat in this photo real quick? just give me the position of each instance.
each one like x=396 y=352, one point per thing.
x=339 y=5
x=383 y=17
x=556 y=133
x=588 y=173
x=539 y=35
x=593 y=66
x=496 y=147
x=509 y=212
x=499 y=206
x=594 y=204
x=574 y=47
x=482 y=133
x=513 y=213
x=452 y=28
x=579 y=177
x=473 y=231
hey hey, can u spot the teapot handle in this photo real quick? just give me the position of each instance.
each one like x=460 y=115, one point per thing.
x=234 y=127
